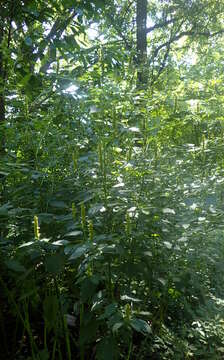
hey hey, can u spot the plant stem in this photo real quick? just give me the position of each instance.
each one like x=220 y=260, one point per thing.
x=67 y=340
x=129 y=350
x=81 y=321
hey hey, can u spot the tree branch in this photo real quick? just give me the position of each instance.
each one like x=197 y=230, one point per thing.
x=174 y=38
x=161 y=25
x=56 y=31
x=191 y=32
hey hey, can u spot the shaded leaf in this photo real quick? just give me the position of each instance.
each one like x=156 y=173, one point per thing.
x=140 y=326
x=15 y=265
x=55 y=263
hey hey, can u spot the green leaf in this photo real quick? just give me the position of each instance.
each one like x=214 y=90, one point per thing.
x=117 y=326
x=28 y=41
x=44 y=354
x=109 y=249
x=168 y=245
x=55 y=263
x=58 y=204
x=88 y=289
x=24 y=81
x=109 y=311
x=88 y=330
x=98 y=208
x=46 y=218
x=79 y=251
x=61 y=242
x=169 y=211
x=140 y=326
x=107 y=349
x=4 y=209
x=28 y=244
x=50 y=309
x=15 y=265
x=27 y=294
x=148 y=253
x=129 y=298
x=74 y=233
x=4 y=173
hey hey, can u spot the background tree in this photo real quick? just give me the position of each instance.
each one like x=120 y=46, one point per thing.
x=141 y=38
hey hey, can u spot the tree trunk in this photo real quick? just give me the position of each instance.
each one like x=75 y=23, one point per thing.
x=2 y=92
x=2 y=81
x=141 y=20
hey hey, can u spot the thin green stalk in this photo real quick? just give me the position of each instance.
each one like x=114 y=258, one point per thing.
x=59 y=353
x=54 y=350
x=3 y=332
x=104 y=176
x=110 y=289
x=102 y=162
x=64 y=323
x=81 y=321
x=100 y=157
x=67 y=340
x=24 y=321
x=14 y=346
x=129 y=350
x=28 y=328
x=60 y=304
x=45 y=337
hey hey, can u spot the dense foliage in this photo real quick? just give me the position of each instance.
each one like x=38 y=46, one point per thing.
x=111 y=190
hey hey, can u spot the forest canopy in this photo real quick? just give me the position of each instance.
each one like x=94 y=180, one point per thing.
x=111 y=179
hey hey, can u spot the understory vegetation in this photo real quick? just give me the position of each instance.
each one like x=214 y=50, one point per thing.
x=111 y=188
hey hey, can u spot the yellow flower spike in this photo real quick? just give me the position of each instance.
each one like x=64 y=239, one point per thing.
x=128 y=311
x=36 y=228
x=83 y=216
x=90 y=228
x=74 y=212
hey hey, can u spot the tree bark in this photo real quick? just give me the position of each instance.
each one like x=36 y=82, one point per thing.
x=2 y=92
x=2 y=81
x=141 y=20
